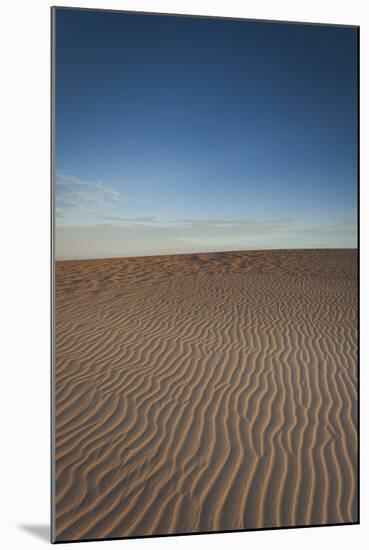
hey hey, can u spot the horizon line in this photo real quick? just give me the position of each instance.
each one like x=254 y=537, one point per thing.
x=200 y=252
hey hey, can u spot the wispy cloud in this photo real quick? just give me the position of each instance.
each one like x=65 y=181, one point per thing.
x=340 y=227
x=74 y=193
x=202 y=224
x=217 y=221
x=250 y=225
x=128 y=219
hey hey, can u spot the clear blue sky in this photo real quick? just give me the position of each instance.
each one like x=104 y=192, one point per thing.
x=178 y=134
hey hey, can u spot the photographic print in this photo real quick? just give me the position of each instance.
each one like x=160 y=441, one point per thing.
x=205 y=286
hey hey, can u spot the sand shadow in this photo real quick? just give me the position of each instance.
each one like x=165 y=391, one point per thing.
x=40 y=531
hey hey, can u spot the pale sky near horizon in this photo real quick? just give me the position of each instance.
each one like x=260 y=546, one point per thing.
x=179 y=135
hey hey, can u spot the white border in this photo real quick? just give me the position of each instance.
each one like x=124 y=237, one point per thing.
x=25 y=231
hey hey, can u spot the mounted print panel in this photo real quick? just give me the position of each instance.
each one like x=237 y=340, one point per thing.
x=205 y=311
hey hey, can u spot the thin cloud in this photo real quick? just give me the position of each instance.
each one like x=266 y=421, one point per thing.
x=58 y=213
x=203 y=226
x=74 y=193
x=220 y=222
x=203 y=223
x=341 y=227
x=127 y=219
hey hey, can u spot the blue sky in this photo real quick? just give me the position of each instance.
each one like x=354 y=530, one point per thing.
x=178 y=134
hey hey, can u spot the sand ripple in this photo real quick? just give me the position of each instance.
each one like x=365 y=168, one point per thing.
x=205 y=392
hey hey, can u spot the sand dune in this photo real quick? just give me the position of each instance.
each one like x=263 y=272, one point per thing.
x=205 y=392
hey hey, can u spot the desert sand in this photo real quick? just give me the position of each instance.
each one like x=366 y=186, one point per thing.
x=205 y=392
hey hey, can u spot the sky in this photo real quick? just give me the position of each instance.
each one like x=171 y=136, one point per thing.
x=179 y=134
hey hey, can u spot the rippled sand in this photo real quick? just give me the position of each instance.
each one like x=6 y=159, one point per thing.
x=205 y=392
